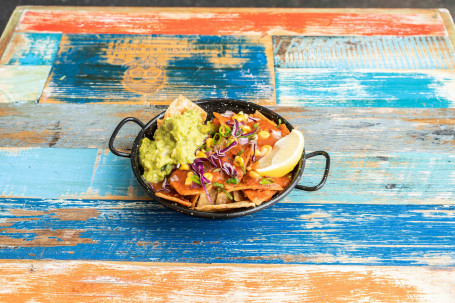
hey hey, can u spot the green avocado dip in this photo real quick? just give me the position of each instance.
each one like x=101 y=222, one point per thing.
x=174 y=143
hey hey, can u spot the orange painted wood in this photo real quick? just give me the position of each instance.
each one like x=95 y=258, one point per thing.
x=76 y=281
x=210 y=21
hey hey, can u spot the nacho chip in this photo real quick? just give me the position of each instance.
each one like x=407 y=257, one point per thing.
x=203 y=200
x=178 y=107
x=238 y=195
x=258 y=115
x=221 y=120
x=173 y=197
x=248 y=182
x=224 y=207
x=222 y=198
x=259 y=196
x=183 y=189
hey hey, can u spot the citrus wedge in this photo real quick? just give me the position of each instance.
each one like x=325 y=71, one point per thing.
x=283 y=157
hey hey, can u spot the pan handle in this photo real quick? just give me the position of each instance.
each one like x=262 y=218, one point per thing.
x=114 y=134
x=326 y=171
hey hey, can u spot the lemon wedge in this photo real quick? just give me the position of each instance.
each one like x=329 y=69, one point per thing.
x=283 y=157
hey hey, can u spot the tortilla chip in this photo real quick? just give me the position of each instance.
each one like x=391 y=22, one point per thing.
x=238 y=195
x=259 y=196
x=258 y=115
x=172 y=197
x=193 y=200
x=224 y=207
x=221 y=119
x=222 y=198
x=183 y=189
x=178 y=107
x=203 y=200
x=284 y=130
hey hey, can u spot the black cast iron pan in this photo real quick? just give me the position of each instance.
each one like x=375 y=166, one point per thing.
x=220 y=106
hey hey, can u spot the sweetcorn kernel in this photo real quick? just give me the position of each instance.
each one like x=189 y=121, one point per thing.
x=184 y=167
x=209 y=143
x=264 y=134
x=246 y=129
x=208 y=176
x=188 y=179
x=201 y=154
x=240 y=117
x=254 y=174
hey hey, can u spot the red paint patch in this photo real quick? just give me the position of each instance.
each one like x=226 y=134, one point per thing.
x=204 y=22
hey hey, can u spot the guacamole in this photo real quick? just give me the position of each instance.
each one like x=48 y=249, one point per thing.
x=174 y=143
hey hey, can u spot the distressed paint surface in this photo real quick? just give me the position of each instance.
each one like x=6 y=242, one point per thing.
x=392 y=178
x=365 y=88
x=156 y=69
x=31 y=49
x=189 y=21
x=354 y=52
x=425 y=130
x=107 y=281
x=290 y=232
x=22 y=83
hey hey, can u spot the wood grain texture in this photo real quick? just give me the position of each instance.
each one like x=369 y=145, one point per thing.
x=157 y=282
x=223 y=21
x=354 y=52
x=365 y=88
x=31 y=49
x=358 y=178
x=155 y=69
x=376 y=130
x=290 y=232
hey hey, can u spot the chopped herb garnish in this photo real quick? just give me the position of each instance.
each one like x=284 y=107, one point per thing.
x=256 y=125
x=240 y=152
x=196 y=179
x=265 y=181
x=216 y=138
x=279 y=123
x=225 y=131
x=233 y=181
x=227 y=194
x=218 y=184
x=216 y=170
x=166 y=167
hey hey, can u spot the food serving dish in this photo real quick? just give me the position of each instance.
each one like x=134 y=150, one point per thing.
x=210 y=106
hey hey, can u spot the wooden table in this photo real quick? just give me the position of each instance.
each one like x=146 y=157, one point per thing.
x=374 y=88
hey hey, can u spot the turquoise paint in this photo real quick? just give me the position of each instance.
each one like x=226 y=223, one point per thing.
x=388 y=52
x=394 y=178
x=298 y=233
x=33 y=49
x=332 y=87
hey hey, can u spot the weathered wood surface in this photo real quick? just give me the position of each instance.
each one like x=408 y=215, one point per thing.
x=139 y=282
x=376 y=130
x=358 y=178
x=374 y=88
x=290 y=232
x=233 y=21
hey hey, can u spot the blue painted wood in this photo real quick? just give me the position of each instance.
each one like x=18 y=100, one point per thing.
x=157 y=68
x=356 y=88
x=361 y=52
x=359 y=178
x=31 y=49
x=289 y=232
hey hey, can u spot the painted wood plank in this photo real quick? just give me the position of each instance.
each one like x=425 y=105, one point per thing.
x=156 y=69
x=390 y=178
x=31 y=49
x=22 y=83
x=290 y=232
x=365 y=88
x=233 y=21
x=328 y=128
x=354 y=52
x=137 y=282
